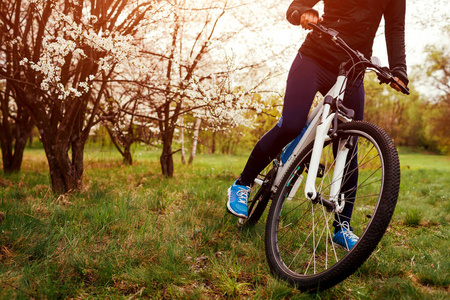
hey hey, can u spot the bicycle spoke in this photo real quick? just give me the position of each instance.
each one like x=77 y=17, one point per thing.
x=317 y=234
x=316 y=245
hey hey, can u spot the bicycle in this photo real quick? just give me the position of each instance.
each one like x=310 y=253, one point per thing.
x=331 y=148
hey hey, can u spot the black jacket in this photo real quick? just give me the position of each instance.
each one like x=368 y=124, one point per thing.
x=357 y=22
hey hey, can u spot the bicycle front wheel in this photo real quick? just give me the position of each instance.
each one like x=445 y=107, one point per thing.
x=299 y=233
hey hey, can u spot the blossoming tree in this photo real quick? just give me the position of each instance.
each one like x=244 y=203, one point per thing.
x=64 y=53
x=196 y=70
x=15 y=119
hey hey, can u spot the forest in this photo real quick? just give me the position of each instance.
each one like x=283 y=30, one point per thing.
x=179 y=76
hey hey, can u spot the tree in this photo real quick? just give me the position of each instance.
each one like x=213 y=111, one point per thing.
x=16 y=126
x=64 y=54
x=15 y=119
x=125 y=128
x=198 y=122
x=125 y=117
x=196 y=70
x=438 y=71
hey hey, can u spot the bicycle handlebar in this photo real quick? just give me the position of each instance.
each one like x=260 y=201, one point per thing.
x=384 y=74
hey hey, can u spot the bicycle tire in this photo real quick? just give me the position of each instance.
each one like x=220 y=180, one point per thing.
x=304 y=254
x=259 y=196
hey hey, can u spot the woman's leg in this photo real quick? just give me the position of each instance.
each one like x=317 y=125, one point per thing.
x=304 y=80
x=354 y=101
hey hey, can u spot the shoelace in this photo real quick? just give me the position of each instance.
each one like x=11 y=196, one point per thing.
x=347 y=233
x=242 y=195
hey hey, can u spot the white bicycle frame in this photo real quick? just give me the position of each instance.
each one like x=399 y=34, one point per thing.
x=319 y=121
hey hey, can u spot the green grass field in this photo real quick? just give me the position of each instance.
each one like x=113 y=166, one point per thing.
x=131 y=234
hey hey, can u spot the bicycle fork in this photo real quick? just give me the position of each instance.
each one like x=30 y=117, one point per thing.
x=335 y=202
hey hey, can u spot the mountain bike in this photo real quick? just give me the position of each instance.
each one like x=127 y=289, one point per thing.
x=308 y=186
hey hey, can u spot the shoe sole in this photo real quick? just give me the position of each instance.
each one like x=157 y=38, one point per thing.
x=231 y=211
x=340 y=246
x=343 y=247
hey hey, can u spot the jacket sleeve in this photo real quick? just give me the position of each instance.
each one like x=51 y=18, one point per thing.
x=301 y=6
x=394 y=16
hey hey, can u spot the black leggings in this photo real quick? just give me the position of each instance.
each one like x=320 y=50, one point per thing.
x=306 y=77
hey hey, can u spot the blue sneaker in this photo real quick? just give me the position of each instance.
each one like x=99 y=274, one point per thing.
x=238 y=200
x=345 y=237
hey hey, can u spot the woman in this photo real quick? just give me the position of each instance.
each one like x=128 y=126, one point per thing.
x=315 y=68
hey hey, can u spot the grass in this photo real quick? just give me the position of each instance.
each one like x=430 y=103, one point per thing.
x=131 y=233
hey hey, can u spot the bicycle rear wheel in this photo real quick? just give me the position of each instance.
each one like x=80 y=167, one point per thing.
x=259 y=195
x=299 y=233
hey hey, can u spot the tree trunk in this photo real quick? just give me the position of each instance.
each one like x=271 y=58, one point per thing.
x=13 y=137
x=126 y=143
x=31 y=139
x=213 y=143
x=127 y=158
x=66 y=173
x=63 y=174
x=183 y=154
x=195 y=140
x=78 y=161
x=166 y=161
x=166 y=158
x=15 y=163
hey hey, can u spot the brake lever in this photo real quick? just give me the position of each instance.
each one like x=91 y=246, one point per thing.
x=384 y=75
x=322 y=29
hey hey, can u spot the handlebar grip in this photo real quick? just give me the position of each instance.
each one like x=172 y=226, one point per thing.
x=404 y=89
x=385 y=76
x=383 y=79
x=391 y=79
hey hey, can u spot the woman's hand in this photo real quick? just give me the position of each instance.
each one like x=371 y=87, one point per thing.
x=396 y=86
x=310 y=16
